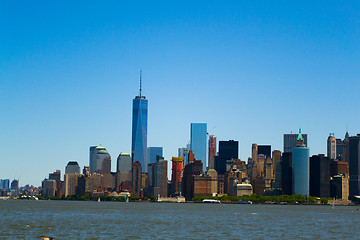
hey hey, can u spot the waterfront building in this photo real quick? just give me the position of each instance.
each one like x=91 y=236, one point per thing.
x=48 y=188
x=340 y=187
x=71 y=183
x=300 y=166
x=331 y=147
x=152 y=152
x=228 y=151
x=290 y=141
x=241 y=189
x=72 y=167
x=198 y=142
x=139 y=130
x=158 y=178
x=354 y=166
x=320 y=176
x=136 y=179
x=192 y=168
x=212 y=151
x=176 y=175
x=57 y=177
x=123 y=172
x=205 y=184
x=89 y=184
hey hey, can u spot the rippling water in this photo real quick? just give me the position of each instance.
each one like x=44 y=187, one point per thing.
x=23 y=219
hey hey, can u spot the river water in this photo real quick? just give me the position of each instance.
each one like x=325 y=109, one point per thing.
x=26 y=219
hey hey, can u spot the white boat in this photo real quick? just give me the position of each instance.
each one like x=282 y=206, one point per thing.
x=211 y=201
x=333 y=204
x=98 y=199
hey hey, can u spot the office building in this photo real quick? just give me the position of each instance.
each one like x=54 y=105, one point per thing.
x=136 y=179
x=301 y=171
x=320 y=176
x=4 y=183
x=331 y=147
x=340 y=187
x=339 y=168
x=212 y=151
x=139 y=130
x=71 y=183
x=72 y=167
x=152 y=152
x=48 y=188
x=228 y=151
x=287 y=173
x=192 y=168
x=264 y=149
x=198 y=142
x=290 y=141
x=354 y=166
x=176 y=175
x=92 y=159
x=158 y=178
x=184 y=153
x=100 y=160
x=56 y=176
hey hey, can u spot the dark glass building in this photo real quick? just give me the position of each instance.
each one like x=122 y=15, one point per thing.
x=354 y=168
x=227 y=150
x=264 y=149
x=319 y=176
x=286 y=173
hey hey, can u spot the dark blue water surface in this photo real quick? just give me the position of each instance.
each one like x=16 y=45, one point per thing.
x=25 y=219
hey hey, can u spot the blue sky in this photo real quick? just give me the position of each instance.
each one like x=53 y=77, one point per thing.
x=253 y=69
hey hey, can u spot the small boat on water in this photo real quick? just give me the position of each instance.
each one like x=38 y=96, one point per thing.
x=244 y=202
x=211 y=201
x=98 y=199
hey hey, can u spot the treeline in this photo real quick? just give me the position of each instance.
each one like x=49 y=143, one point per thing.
x=90 y=198
x=293 y=199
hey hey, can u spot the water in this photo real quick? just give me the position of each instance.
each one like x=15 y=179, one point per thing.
x=24 y=219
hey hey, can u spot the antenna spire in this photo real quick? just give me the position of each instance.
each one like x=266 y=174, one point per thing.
x=140 y=81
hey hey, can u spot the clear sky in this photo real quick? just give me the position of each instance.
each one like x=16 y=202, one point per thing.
x=253 y=69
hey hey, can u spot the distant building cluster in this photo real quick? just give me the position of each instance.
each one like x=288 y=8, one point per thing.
x=200 y=169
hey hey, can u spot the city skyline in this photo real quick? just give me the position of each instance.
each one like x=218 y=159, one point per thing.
x=256 y=71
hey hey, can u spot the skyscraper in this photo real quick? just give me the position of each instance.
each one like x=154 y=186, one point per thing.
x=176 y=175
x=228 y=150
x=264 y=149
x=72 y=167
x=354 y=166
x=290 y=141
x=301 y=168
x=139 y=130
x=198 y=142
x=152 y=152
x=320 y=176
x=212 y=151
x=184 y=152
x=331 y=147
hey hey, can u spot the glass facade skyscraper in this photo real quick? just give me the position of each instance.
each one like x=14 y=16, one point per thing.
x=152 y=152
x=198 y=142
x=139 y=131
